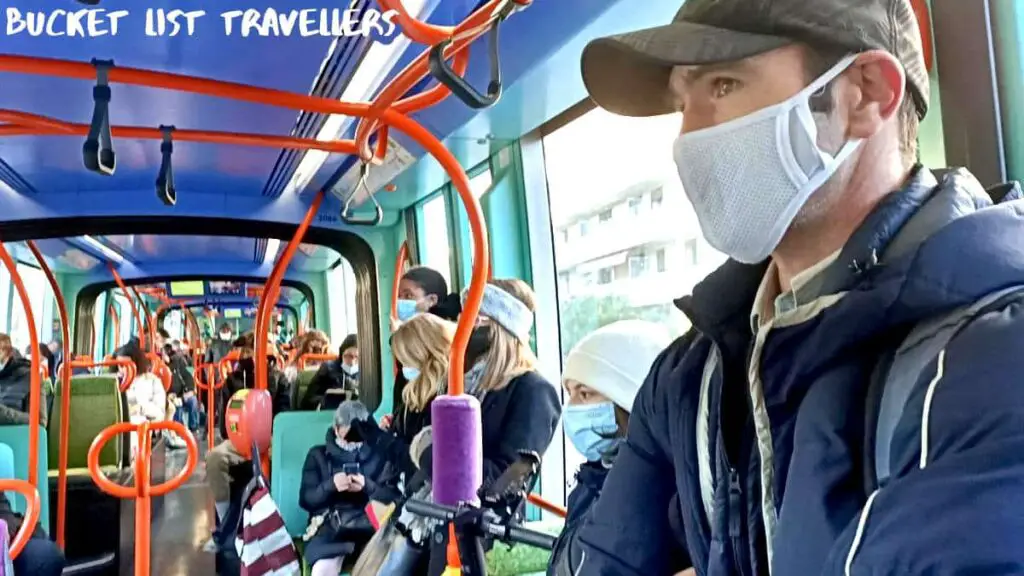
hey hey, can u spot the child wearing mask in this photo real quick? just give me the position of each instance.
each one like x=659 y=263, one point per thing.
x=337 y=483
x=601 y=377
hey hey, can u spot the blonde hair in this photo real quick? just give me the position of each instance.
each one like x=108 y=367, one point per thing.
x=423 y=342
x=313 y=342
x=507 y=357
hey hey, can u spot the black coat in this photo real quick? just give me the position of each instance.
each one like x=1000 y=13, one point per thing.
x=329 y=376
x=521 y=416
x=15 y=385
x=318 y=495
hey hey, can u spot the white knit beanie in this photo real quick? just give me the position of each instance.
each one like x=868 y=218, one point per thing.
x=614 y=360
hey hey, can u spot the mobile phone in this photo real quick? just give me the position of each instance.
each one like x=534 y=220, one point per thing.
x=351 y=468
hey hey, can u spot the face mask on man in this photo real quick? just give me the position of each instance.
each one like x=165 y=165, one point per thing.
x=350 y=369
x=225 y=336
x=591 y=428
x=748 y=178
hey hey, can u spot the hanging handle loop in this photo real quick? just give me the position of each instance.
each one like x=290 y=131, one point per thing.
x=165 y=190
x=364 y=171
x=462 y=90
x=98 y=150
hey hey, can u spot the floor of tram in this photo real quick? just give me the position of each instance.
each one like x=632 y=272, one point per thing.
x=181 y=525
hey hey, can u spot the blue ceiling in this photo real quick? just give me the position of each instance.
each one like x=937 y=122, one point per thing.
x=46 y=175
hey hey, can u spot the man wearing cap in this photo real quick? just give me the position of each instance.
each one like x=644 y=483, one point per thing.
x=797 y=149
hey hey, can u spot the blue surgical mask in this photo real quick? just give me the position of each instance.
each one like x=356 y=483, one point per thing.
x=406 y=309
x=589 y=426
x=410 y=373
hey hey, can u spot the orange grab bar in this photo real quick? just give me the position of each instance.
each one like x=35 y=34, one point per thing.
x=142 y=490
x=161 y=370
x=272 y=288
x=301 y=362
x=400 y=262
x=33 y=505
x=211 y=385
x=545 y=505
x=129 y=367
x=135 y=309
x=116 y=321
x=35 y=378
x=65 y=398
x=147 y=319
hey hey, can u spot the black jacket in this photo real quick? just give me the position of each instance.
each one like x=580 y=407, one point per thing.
x=566 y=555
x=521 y=416
x=329 y=376
x=181 y=379
x=15 y=384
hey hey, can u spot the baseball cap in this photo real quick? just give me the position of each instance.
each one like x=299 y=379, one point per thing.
x=628 y=74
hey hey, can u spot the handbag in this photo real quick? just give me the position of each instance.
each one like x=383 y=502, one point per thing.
x=263 y=544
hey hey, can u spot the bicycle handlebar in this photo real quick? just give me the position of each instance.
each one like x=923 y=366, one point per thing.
x=505 y=533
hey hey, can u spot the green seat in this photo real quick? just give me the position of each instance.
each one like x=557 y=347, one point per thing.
x=294 y=434
x=95 y=405
x=17 y=438
x=521 y=559
x=301 y=385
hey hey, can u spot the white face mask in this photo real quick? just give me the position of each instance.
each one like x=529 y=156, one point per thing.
x=350 y=369
x=225 y=336
x=748 y=178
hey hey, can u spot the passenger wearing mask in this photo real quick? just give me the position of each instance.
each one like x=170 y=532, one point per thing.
x=422 y=345
x=420 y=290
x=224 y=456
x=337 y=484
x=221 y=345
x=849 y=399
x=519 y=407
x=601 y=377
x=15 y=386
x=341 y=374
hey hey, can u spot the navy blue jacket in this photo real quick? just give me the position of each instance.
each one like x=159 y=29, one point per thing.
x=786 y=410
x=566 y=553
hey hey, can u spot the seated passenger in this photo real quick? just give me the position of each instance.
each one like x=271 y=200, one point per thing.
x=601 y=377
x=15 y=385
x=224 y=455
x=147 y=399
x=340 y=374
x=312 y=342
x=422 y=289
x=337 y=484
x=40 y=556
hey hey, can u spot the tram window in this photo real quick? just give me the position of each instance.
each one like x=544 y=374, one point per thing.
x=40 y=297
x=627 y=241
x=341 y=301
x=481 y=183
x=174 y=325
x=435 y=244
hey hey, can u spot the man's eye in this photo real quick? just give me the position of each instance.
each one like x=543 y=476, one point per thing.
x=722 y=87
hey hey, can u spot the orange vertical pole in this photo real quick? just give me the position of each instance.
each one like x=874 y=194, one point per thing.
x=272 y=288
x=65 y=391
x=35 y=380
x=135 y=309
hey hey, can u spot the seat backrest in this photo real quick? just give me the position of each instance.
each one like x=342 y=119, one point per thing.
x=17 y=438
x=301 y=384
x=294 y=434
x=95 y=404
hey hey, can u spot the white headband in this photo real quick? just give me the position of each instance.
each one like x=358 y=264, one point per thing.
x=506 y=310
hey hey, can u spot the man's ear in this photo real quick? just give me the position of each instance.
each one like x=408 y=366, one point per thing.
x=877 y=87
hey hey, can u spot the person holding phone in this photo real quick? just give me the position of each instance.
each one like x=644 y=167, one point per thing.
x=337 y=484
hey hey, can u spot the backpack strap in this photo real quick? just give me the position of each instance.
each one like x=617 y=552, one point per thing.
x=895 y=377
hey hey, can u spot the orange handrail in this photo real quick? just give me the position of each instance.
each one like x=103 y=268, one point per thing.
x=35 y=380
x=272 y=289
x=545 y=505
x=212 y=384
x=301 y=362
x=135 y=309
x=142 y=491
x=161 y=370
x=32 y=506
x=116 y=318
x=65 y=399
x=130 y=372
x=400 y=262
x=148 y=323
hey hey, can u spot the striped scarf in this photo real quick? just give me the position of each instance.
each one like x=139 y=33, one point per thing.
x=262 y=542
